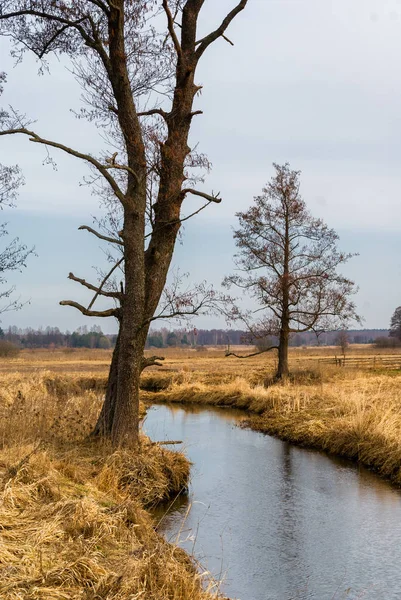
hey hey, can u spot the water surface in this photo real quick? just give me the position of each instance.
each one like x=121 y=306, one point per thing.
x=276 y=521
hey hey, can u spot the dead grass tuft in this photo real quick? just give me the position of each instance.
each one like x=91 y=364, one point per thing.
x=162 y=475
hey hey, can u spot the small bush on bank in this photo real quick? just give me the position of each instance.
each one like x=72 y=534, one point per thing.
x=8 y=349
x=69 y=350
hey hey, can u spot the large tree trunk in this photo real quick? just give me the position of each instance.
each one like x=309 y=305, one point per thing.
x=104 y=425
x=115 y=34
x=125 y=427
x=282 y=369
x=133 y=326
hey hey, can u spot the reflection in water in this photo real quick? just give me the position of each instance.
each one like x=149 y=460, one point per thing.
x=279 y=522
x=168 y=513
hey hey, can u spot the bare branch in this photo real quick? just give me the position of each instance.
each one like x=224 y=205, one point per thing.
x=109 y=274
x=176 y=314
x=100 y=236
x=195 y=213
x=151 y=361
x=50 y=17
x=211 y=198
x=253 y=354
x=50 y=41
x=112 y=164
x=182 y=303
x=154 y=111
x=89 y=286
x=111 y=312
x=34 y=137
x=167 y=443
x=219 y=32
x=227 y=40
x=170 y=25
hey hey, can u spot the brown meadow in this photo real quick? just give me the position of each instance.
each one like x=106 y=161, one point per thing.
x=74 y=514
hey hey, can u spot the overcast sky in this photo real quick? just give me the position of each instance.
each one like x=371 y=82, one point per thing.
x=313 y=82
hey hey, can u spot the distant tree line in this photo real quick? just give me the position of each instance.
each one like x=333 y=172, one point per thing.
x=52 y=337
x=164 y=338
x=82 y=337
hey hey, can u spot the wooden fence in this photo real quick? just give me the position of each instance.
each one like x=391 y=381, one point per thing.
x=359 y=362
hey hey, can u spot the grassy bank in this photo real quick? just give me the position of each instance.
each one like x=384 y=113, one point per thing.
x=355 y=414
x=73 y=516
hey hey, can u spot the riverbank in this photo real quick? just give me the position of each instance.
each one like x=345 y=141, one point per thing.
x=74 y=514
x=353 y=414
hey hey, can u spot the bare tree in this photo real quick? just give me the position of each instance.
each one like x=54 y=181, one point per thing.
x=139 y=84
x=289 y=261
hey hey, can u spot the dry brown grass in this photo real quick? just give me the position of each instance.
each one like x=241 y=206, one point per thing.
x=73 y=523
x=95 y=363
x=68 y=360
x=72 y=518
x=357 y=416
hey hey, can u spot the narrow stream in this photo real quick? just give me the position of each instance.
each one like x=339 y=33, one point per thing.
x=278 y=522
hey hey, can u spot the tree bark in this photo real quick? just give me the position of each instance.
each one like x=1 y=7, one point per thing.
x=282 y=369
x=104 y=425
x=125 y=427
x=119 y=417
x=133 y=327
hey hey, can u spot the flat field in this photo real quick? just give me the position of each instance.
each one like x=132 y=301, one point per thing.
x=96 y=362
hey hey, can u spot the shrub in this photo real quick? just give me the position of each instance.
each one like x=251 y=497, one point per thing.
x=264 y=343
x=387 y=342
x=8 y=349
